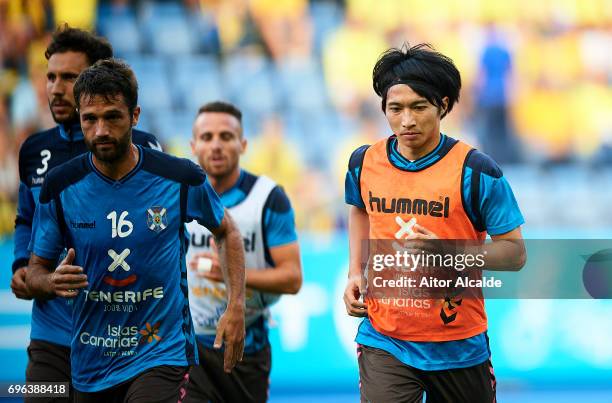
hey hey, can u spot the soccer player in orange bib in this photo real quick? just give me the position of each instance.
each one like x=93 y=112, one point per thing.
x=455 y=192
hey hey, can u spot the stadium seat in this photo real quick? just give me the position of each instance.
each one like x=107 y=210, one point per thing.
x=176 y=124
x=145 y=122
x=167 y=29
x=122 y=32
x=196 y=80
x=250 y=83
x=154 y=89
x=205 y=28
x=251 y=123
x=303 y=85
x=326 y=17
x=311 y=132
x=158 y=9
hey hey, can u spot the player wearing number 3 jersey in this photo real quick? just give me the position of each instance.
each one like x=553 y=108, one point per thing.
x=120 y=210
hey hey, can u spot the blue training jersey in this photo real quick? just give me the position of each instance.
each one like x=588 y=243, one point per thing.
x=491 y=206
x=128 y=236
x=40 y=153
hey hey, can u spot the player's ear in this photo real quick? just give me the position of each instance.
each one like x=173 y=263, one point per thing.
x=192 y=143
x=444 y=106
x=244 y=143
x=135 y=115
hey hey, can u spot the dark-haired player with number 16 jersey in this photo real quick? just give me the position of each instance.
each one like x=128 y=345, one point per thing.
x=71 y=51
x=121 y=210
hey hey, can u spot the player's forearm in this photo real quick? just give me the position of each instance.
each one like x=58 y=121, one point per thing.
x=232 y=264
x=37 y=280
x=23 y=226
x=283 y=279
x=359 y=229
x=504 y=255
x=23 y=233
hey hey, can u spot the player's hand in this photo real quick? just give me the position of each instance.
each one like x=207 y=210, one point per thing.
x=18 y=284
x=67 y=279
x=423 y=240
x=420 y=232
x=214 y=273
x=231 y=333
x=352 y=293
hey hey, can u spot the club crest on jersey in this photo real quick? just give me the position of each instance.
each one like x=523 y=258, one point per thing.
x=156 y=218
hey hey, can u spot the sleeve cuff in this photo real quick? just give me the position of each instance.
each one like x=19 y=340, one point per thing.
x=502 y=229
x=222 y=216
x=22 y=262
x=282 y=243
x=353 y=202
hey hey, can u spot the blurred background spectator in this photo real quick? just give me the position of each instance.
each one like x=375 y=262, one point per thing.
x=492 y=106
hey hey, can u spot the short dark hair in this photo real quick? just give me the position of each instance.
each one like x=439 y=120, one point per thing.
x=67 y=39
x=221 y=107
x=429 y=73
x=108 y=78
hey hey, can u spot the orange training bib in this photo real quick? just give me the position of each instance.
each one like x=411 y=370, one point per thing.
x=431 y=197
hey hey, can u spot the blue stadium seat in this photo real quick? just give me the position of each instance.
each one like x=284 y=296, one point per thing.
x=196 y=80
x=167 y=29
x=122 y=32
x=157 y=9
x=250 y=83
x=252 y=124
x=171 y=36
x=173 y=127
x=154 y=89
x=303 y=85
x=313 y=133
x=145 y=122
x=326 y=17
x=204 y=27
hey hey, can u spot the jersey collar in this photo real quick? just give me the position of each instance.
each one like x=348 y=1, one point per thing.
x=234 y=195
x=236 y=185
x=71 y=132
x=133 y=172
x=400 y=162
